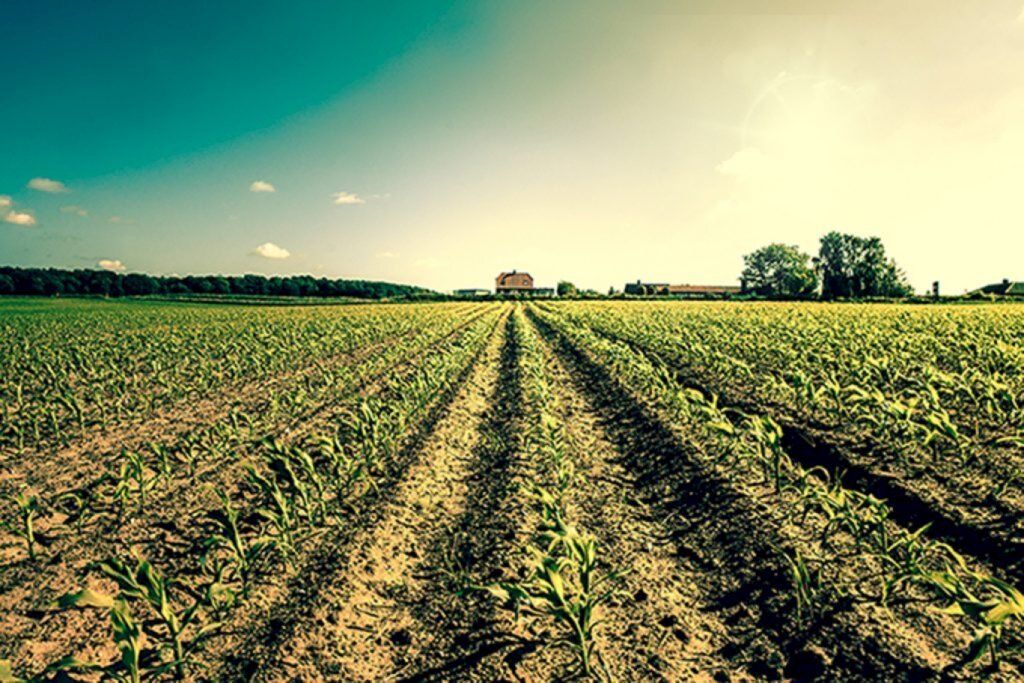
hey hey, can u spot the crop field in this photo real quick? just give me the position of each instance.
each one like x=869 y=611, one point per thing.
x=553 y=490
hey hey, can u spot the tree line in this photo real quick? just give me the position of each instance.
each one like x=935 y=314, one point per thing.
x=57 y=282
x=846 y=267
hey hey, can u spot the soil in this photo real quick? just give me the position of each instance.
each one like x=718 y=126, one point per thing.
x=391 y=590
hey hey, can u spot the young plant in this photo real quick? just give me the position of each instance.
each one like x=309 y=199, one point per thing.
x=565 y=585
x=27 y=508
x=127 y=634
x=989 y=614
x=242 y=554
x=175 y=631
x=807 y=586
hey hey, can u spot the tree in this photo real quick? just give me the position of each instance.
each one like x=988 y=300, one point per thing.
x=137 y=284
x=779 y=270
x=856 y=267
x=566 y=288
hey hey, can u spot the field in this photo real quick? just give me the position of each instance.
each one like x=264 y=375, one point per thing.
x=511 y=491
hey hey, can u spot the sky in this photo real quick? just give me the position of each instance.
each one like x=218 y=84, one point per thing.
x=440 y=143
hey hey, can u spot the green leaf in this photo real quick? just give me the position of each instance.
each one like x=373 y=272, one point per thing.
x=982 y=638
x=84 y=598
x=7 y=674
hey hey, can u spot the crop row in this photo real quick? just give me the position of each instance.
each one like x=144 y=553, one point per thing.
x=938 y=393
x=162 y=616
x=842 y=547
x=66 y=375
x=564 y=582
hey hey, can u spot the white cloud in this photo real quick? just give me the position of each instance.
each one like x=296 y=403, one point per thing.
x=5 y=201
x=47 y=185
x=20 y=218
x=112 y=265
x=387 y=254
x=347 y=198
x=261 y=186
x=271 y=250
x=749 y=161
x=77 y=210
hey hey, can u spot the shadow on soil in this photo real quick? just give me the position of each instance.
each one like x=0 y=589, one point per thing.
x=719 y=530
x=996 y=543
x=301 y=595
x=479 y=545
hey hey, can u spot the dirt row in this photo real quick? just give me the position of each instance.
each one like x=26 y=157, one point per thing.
x=384 y=607
x=392 y=593
x=734 y=534
x=166 y=533
x=966 y=515
x=57 y=469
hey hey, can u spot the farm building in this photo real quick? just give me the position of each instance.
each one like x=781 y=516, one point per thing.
x=664 y=289
x=513 y=282
x=1004 y=288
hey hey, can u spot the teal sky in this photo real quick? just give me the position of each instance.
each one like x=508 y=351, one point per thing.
x=440 y=143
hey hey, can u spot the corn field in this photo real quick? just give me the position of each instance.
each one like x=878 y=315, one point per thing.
x=615 y=491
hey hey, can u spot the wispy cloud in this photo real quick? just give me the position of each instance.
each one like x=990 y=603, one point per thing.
x=77 y=210
x=261 y=186
x=5 y=201
x=271 y=250
x=47 y=185
x=387 y=254
x=21 y=218
x=113 y=265
x=347 y=198
x=746 y=162
x=120 y=220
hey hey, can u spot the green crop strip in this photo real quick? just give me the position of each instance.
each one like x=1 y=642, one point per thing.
x=293 y=493
x=565 y=581
x=853 y=529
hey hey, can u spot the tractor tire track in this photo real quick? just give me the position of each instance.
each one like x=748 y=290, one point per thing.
x=461 y=635
x=997 y=543
x=732 y=539
x=280 y=624
x=665 y=629
x=163 y=534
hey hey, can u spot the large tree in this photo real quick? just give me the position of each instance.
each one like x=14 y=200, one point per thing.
x=566 y=288
x=856 y=267
x=779 y=270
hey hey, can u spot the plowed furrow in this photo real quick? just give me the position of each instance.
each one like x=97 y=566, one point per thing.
x=734 y=542
x=284 y=635
x=665 y=628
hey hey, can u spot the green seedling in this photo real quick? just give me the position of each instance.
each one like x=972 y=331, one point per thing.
x=27 y=508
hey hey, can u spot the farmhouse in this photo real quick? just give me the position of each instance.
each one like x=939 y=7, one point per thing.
x=513 y=282
x=1004 y=288
x=695 y=291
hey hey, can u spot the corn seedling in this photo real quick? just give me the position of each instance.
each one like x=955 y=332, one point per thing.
x=174 y=632
x=989 y=614
x=808 y=586
x=27 y=507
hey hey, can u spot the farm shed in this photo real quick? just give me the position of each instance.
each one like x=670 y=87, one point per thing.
x=664 y=289
x=1004 y=288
